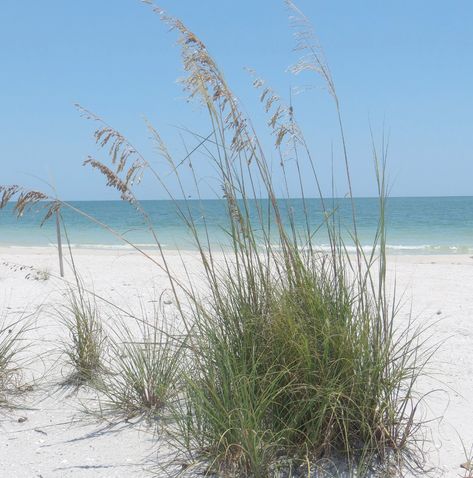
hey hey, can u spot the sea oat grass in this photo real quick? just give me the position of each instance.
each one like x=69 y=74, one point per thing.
x=84 y=346
x=144 y=367
x=12 y=344
x=295 y=370
x=295 y=352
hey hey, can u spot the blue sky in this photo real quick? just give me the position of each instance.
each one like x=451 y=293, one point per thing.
x=407 y=65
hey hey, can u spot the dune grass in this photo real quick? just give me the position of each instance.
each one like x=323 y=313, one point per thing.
x=295 y=370
x=85 y=345
x=144 y=367
x=12 y=344
x=467 y=466
x=294 y=354
x=295 y=351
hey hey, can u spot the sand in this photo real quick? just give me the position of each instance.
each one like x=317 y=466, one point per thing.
x=49 y=436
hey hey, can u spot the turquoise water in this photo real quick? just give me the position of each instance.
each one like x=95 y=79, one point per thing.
x=415 y=225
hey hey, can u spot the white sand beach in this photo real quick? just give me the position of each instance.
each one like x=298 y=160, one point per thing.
x=48 y=436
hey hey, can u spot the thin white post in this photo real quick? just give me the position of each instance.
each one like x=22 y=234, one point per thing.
x=59 y=243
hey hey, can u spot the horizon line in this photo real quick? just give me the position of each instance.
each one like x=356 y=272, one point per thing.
x=284 y=198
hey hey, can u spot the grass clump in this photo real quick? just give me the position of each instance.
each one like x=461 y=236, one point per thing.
x=85 y=345
x=11 y=346
x=296 y=354
x=144 y=368
x=297 y=370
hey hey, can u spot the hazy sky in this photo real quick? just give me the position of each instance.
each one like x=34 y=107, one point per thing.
x=405 y=64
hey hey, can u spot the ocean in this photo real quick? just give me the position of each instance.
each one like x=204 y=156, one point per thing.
x=421 y=225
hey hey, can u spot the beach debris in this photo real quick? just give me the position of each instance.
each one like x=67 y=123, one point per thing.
x=167 y=302
x=22 y=419
x=33 y=274
x=468 y=465
x=16 y=267
x=439 y=312
x=38 y=430
x=39 y=275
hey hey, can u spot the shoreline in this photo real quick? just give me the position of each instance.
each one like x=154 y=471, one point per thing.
x=124 y=248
